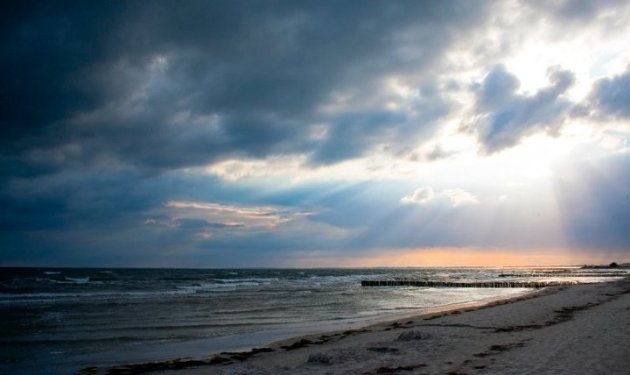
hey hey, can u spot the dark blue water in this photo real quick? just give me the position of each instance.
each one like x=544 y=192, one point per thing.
x=62 y=320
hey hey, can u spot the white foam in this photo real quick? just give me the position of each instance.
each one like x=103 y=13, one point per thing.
x=78 y=280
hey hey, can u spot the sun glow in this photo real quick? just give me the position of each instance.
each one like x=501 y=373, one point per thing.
x=455 y=257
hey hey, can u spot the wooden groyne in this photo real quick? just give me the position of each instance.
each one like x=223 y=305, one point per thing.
x=582 y=274
x=477 y=284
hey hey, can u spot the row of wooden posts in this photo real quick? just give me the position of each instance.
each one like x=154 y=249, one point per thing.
x=477 y=284
x=583 y=274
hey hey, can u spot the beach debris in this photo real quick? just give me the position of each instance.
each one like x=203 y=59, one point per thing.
x=562 y=315
x=353 y=332
x=88 y=371
x=320 y=358
x=396 y=325
x=412 y=335
x=243 y=356
x=261 y=350
x=141 y=368
x=393 y=370
x=240 y=356
x=217 y=359
x=298 y=344
x=498 y=348
x=384 y=349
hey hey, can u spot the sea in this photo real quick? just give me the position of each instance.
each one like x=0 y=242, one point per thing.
x=66 y=319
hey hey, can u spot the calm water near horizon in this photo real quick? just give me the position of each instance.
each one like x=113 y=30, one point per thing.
x=67 y=319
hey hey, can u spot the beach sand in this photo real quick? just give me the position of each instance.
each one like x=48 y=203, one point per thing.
x=581 y=329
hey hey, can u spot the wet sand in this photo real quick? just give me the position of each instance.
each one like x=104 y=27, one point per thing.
x=581 y=329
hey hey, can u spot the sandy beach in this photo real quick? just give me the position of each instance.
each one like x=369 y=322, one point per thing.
x=581 y=329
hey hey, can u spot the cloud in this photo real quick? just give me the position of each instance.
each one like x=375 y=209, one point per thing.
x=208 y=220
x=507 y=116
x=38 y=92
x=231 y=215
x=351 y=135
x=455 y=197
x=575 y=11
x=460 y=197
x=611 y=96
x=438 y=153
x=496 y=89
x=419 y=196
x=194 y=224
x=243 y=79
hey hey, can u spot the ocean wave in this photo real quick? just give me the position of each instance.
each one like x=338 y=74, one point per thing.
x=65 y=280
x=337 y=279
x=117 y=295
x=16 y=298
x=78 y=280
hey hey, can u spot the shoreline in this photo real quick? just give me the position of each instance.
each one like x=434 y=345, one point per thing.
x=294 y=340
x=424 y=313
x=185 y=361
x=317 y=352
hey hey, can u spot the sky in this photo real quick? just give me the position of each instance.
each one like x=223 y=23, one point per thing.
x=314 y=133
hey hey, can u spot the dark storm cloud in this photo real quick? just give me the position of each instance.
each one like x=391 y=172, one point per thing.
x=508 y=116
x=140 y=81
x=611 y=96
x=48 y=50
x=79 y=198
x=575 y=10
x=100 y=100
x=106 y=216
x=350 y=134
